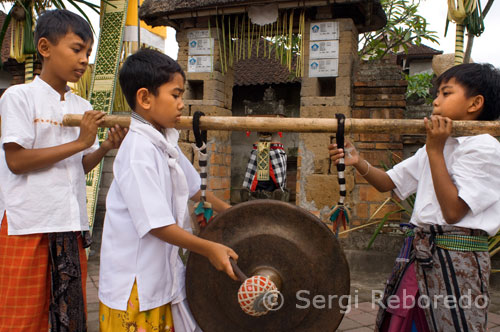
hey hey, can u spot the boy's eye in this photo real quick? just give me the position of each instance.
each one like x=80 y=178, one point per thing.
x=176 y=96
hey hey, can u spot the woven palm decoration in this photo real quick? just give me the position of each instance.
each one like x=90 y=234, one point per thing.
x=466 y=14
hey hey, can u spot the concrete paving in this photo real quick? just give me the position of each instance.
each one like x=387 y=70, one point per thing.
x=361 y=318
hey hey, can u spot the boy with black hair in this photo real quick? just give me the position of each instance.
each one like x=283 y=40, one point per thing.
x=441 y=277
x=141 y=277
x=43 y=264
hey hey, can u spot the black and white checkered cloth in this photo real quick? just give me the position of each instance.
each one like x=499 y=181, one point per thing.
x=277 y=157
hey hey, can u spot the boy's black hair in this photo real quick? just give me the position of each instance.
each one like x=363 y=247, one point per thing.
x=477 y=79
x=54 y=24
x=148 y=69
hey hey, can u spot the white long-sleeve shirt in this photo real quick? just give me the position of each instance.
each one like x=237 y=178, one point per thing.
x=141 y=198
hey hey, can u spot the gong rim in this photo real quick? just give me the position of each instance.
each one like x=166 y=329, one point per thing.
x=293 y=241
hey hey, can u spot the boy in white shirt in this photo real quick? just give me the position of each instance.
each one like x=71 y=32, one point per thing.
x=444 y=266
x=42 y=261
x=141 y=279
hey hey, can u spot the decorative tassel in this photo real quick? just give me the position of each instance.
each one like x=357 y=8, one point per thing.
x=204 y=213
x=339 y=215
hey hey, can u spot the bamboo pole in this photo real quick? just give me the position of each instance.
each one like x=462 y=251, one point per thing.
x=306 y=125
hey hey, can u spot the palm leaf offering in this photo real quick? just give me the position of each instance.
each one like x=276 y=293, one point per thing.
x=237 y=37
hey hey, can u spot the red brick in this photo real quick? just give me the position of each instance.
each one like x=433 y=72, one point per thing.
x=379 y=90
x=361 y=113
x=378 y=157
x=383 y=211
x=214 y=183
x=361 y=211
x=226 y=195
x=370 y=194
x=381 y=103
x=364 y=145
x=389 y=146
x=375 y=137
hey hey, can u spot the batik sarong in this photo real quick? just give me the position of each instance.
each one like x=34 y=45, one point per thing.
x=157 y=319
x=452 y=267
x=68 y=268
x=455 y=282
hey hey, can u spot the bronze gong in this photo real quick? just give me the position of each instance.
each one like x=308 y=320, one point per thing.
x=277 y=236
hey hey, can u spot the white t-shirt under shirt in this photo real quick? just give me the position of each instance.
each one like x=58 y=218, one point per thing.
x=51 y=199
x=474 y=166
x=142 y=197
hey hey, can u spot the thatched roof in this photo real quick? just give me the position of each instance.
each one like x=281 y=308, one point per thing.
x=262 y=69
x=367 y=14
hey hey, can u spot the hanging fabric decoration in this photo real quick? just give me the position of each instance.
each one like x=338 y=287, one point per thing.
x=203 y=210
x=339 y=213
x=263 y=148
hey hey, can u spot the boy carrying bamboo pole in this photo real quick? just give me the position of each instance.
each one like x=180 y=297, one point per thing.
x=440 y=279
x=43 y=267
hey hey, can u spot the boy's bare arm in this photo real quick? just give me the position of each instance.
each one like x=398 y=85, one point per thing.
x=452 y=206
x=376 y=177
x=21 y=160
x=216 y=253
x=115 y=137
x=218 y=205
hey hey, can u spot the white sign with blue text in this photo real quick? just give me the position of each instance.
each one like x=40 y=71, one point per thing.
x=202 y=46
x=324 y=30
x=326 y=49
x=323 y=67
x=197 y=34
x=200 y=64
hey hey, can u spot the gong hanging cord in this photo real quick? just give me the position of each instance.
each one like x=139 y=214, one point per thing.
x=339 y=213
x=203 y=210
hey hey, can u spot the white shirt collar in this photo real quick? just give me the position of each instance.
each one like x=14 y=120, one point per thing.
x=37 y=81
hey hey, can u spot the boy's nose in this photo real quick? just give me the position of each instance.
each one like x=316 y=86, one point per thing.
x=84 y=60
x=435 y=101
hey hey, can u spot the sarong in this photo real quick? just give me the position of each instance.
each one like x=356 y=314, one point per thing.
x=157 y=319
x=455 y=282
x=452 y=284
x=24 y=282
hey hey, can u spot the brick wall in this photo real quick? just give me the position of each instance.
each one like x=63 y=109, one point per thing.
x=215 y=100
x=317 y=184
x=379 y=93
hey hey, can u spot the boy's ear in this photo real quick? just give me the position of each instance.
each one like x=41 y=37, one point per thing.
x=44 y=47
x=477 y=104
x=143 y=98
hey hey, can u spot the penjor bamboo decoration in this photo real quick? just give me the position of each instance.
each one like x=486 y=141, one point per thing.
x=306 y=125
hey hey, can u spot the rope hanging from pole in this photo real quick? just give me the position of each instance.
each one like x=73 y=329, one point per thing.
x=339 y=214
x=203 y=210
